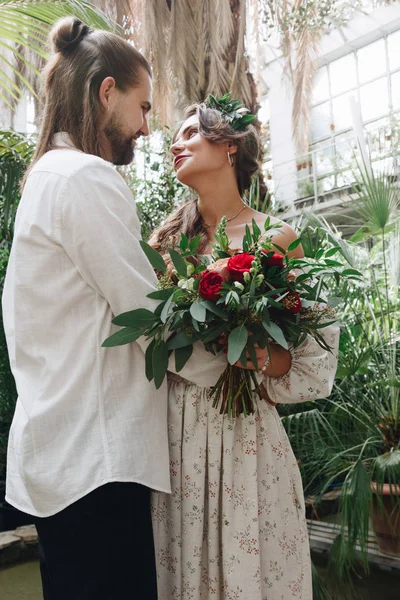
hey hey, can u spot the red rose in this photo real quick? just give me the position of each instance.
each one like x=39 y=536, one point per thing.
x=210 y=285
x=292 y=302
x=276 y=260
x=239 y=264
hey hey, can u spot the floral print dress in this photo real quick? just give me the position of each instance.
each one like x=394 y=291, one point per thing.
x=234 y=527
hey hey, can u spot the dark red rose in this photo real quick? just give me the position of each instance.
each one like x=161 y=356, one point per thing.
x=276 y=260
x=210 y=285
x=239 y=264
x=292 y=302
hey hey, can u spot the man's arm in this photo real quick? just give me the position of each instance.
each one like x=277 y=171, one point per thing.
x=100 y=232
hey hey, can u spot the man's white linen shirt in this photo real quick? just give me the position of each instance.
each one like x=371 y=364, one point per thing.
x=85 y=415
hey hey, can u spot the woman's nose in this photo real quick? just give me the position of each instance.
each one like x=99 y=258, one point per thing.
x=176 y=147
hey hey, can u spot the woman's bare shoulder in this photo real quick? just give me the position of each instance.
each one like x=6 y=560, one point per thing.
x=285 y=234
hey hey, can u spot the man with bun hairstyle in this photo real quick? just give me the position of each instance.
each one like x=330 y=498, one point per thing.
x=89 y=436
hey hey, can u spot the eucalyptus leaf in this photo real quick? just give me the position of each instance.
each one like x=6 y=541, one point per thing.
x=237 y=340
x=160 y=362
x=180 y=340
x=276 y=333
x=167 y=309
x=122 y=337
x=154 y=257
x=198 y=310
x=215 y=310
x=161 y=294
x=149 y=360
x=179 y=262
x=182 y=355
x=140 y=319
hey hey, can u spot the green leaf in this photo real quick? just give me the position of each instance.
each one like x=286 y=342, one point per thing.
x=237 y=340
x=149 y=360
x=194 y=243
x=281 y=250
x=256 y=231
x=167 y=309
x=160 y=363
x=198 y=311
x=121 y=337
x=215 y=309
x=179 y=263
x=294 y=245
x=351 y=272
x=184 y=242
x=154 y=258
x=180 y=340
x=252 y=351
x=332 y=251
x=182 y=355
x=319 y=254
x=276 y=333
x=139 y=319
x=161 y=294
x=249 y=238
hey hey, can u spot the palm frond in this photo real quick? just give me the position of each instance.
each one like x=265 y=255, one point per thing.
x=24 y=25
x=319 y=589
x=378 y=201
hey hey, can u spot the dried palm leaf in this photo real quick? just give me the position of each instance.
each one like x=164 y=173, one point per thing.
x=156 y=19
x=303 y=72
x=240 y=83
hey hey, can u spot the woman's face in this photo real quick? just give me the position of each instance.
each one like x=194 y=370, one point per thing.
x=195 y=156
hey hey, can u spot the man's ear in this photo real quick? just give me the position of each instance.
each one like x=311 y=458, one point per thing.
x=106 y=92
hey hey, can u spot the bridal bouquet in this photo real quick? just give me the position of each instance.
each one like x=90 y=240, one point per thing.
x=235 y=300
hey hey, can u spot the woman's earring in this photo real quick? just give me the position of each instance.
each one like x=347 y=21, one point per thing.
x=230 y=159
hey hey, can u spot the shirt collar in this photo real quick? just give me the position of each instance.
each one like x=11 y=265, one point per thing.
x=62 y=140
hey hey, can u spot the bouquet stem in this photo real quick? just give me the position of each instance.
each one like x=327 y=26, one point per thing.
x=234 y=392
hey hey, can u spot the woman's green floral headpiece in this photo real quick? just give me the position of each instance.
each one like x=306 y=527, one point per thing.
x=232 y=110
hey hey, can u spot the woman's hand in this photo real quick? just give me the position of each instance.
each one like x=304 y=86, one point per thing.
x=275 y=364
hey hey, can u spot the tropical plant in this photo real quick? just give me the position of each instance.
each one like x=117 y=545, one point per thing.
x=24 y=26
x=15 y=154
x=353 y=437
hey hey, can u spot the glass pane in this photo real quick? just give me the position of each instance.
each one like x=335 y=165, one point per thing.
x=320 y=86
x=374 y=99
x=320 y=121
x=396 y=90
x=323 y=159
x=343 y=74
x=342 y=117
x=394 y=50
x=372 y=61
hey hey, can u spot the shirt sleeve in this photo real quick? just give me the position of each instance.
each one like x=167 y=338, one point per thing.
x=312 y=371
x=100 y=231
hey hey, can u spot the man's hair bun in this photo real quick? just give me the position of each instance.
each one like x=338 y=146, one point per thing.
x=67 y=33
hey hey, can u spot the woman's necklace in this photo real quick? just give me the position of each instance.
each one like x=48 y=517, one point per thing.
x=231 y=218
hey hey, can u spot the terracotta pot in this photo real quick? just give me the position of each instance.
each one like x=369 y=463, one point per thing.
x=387 y=521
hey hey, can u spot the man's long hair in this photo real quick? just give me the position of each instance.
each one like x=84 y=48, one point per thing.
x=81 y=59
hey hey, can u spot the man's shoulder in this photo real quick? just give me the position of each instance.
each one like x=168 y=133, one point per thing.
x=68 y=162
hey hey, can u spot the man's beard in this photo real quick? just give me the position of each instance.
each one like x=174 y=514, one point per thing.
x=121 y=145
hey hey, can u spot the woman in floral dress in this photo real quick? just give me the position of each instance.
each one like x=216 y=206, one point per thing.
x=234 y=526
